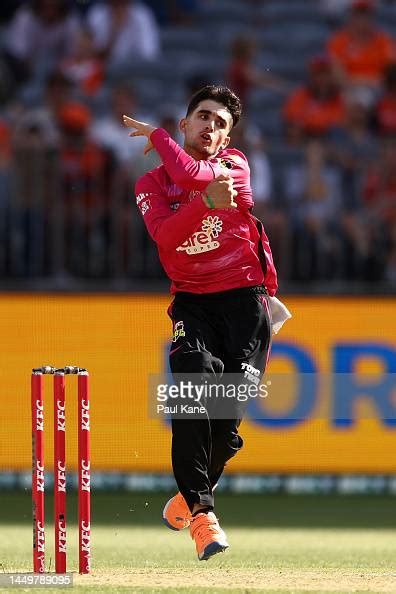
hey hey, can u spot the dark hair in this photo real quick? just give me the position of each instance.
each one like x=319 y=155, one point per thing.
x=222 y=95
x=195 y=82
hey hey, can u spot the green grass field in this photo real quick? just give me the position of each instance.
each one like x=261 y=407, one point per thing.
x=282 y=544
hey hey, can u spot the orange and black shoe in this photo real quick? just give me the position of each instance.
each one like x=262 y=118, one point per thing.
x=176 y=514
x=209 y=537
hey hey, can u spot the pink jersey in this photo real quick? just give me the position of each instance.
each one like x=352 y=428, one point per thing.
x=203 y=250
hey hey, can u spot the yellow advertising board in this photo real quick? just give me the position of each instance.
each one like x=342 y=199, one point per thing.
x=122 y=339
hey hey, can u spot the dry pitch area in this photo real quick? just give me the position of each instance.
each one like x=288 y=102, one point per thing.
x=242 y=581
x=278 y=544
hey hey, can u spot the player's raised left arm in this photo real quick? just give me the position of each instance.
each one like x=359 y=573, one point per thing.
x=189 y=173
x=185 y=171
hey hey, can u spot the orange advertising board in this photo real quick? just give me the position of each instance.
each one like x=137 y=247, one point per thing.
x=122 y=339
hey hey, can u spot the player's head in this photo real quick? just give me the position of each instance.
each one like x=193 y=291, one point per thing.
x=211 y=114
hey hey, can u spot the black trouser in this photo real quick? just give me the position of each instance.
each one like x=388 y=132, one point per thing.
x=213 y=334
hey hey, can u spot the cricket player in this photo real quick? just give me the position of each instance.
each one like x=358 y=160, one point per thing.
x=197 y=208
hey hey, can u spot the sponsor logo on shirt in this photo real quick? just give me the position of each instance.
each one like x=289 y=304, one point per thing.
x=143 y=202
x=178 y=330
x=251 y=373
x=203 y=240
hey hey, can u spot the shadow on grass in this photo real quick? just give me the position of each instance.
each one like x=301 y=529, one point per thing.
x=258 y=511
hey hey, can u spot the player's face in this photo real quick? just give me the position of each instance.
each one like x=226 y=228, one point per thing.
x=206 y=129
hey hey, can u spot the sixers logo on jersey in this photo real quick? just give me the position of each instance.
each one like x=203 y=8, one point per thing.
x=226 y=164
x=203 y=240
x=143 y=202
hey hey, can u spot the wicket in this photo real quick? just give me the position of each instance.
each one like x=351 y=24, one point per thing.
x=84 y=464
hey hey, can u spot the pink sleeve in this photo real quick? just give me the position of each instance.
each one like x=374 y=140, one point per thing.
x=185 y=171
x=169 y=229
x=190 y=174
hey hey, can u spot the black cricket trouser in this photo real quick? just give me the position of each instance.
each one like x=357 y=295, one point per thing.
x=213 y=334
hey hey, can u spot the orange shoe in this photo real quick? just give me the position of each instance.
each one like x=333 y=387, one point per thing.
x=176 y=514
x=209 y=537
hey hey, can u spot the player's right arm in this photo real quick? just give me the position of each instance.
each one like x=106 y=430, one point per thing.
x=189 y=173
x=170 y=229
x=185 y=171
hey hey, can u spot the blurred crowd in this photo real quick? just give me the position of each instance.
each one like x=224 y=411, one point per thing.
x=324 y=185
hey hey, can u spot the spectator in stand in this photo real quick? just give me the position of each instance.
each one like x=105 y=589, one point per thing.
x=174 y=12
x=316 y=107
x=385 y=111
x=108 y=130
x=249 y=140
x=84 y=171
x=82 y=6
x=5 y=144
x=57 y=91
x=243 y=76
x=360 y=51
x=83 y=67
x=40 y=34
x=5 y=192
x=334 y=10
x=380 y=196
x=354 y=150
x=183 y=12
x=391 y=266
x=7 y=10
x=313 y=195
x=34 y=191
x=45 y=116
x=124 y=32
